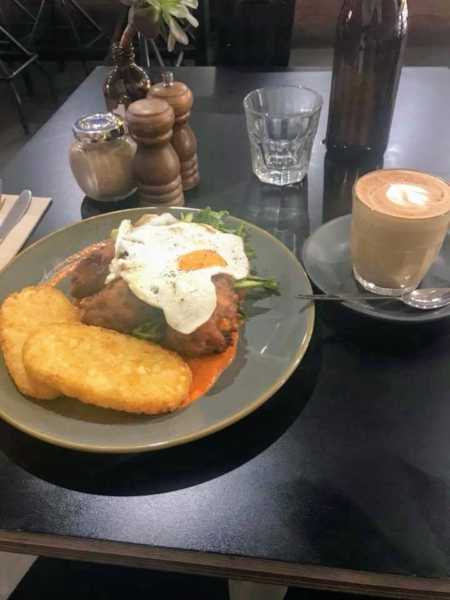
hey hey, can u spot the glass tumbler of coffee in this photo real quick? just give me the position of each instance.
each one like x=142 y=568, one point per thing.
x=399 y=222
x=282 y=124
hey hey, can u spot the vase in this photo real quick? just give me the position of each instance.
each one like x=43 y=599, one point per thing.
x=126 y=82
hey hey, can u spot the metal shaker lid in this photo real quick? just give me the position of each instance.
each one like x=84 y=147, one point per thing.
x=99 y=127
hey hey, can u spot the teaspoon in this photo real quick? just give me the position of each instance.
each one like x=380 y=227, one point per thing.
x=424 y=299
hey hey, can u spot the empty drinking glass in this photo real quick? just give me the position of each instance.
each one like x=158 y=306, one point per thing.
x=282 y=123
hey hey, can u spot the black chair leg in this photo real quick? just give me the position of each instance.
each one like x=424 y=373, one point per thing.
x=51 y=87
x=24 y=9
x=19 y=105
x=17 y=97
x=76 y=36
x=36 y=24
x=88 y=17
x=28 y=83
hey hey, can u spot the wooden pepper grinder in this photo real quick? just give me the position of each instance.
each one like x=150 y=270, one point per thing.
x=156 y=165
x=180 y=98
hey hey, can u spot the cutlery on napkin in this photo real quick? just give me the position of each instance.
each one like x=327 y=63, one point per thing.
x=15 y=214
x=28 y=218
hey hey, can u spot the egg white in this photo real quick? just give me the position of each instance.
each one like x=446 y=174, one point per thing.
x=147 y=255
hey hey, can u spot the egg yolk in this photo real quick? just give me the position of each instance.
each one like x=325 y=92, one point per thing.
x=200 y=259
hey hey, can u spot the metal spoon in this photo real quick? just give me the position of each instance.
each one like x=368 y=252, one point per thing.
x=424 y=299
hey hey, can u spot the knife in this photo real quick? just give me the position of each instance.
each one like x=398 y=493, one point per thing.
x=18 y=210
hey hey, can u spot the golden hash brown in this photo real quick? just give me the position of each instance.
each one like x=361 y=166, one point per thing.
x=109 y=369
x=23 y=313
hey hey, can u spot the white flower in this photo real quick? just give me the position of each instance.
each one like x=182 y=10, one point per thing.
x=171 y=11
x=168 y=13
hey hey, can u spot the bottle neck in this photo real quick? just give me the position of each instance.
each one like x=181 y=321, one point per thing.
x=366 y=10
x=382 y=18
x=123 y=57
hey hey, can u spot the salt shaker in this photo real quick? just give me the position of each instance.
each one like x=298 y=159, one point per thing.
x=101 y=157
x=180 y=98
x=156 y=165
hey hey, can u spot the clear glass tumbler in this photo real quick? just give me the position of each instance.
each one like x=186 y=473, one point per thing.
x=282 y=123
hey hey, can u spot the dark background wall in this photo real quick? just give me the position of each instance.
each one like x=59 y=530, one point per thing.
x=313 y=20
x=429 y=22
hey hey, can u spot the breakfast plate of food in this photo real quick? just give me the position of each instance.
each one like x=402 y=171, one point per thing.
x=148 y=328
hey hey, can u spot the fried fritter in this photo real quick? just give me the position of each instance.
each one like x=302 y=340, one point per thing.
x=89 y=276
x=214 y=336
x=102 y=367
x=22 y=314
x=114 y=307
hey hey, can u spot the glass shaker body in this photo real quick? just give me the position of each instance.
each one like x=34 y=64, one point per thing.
x=101 y=157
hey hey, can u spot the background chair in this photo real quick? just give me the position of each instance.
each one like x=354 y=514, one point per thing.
x=76 y=19
x=253 y=32
x=11 y=52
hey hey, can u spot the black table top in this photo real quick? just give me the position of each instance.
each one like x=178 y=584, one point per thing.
x=342 y=480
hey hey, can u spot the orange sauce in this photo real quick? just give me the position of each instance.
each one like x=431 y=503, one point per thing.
x=206 y=370
x=72 y=262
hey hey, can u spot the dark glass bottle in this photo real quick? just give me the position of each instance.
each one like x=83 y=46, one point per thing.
x=126 y=82
x=370 y=40
x=340 y=175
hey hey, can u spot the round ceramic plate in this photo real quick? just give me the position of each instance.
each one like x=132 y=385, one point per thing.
x=272 y=344
x=327 y=260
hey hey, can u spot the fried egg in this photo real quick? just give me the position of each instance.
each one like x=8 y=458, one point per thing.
x=169 y=264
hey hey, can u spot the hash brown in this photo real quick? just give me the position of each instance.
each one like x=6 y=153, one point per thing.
x=22 y=314
x=108 y=369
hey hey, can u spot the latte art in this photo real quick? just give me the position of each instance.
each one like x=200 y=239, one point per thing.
x=402 y=193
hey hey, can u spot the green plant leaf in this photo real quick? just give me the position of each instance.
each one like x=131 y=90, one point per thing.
x=152 y=330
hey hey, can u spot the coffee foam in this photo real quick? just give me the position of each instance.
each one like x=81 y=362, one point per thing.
x=402 y=193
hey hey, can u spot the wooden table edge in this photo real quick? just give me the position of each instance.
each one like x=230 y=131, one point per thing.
x=217 y=565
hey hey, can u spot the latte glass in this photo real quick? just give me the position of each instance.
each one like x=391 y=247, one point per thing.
x=399 y=222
